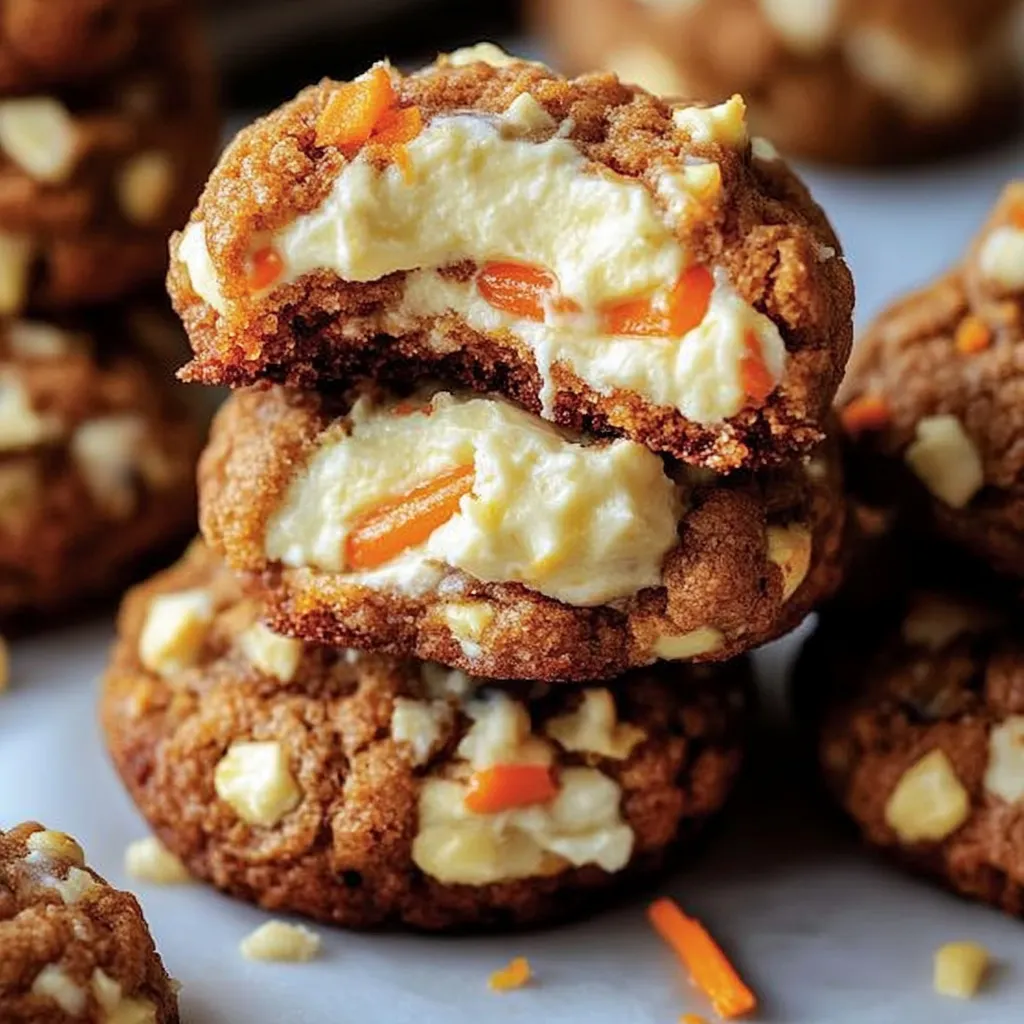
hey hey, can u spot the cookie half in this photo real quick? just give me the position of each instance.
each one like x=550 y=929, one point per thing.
x=97 y=457
x=932 y=404
x=72 y=948
x=906 y=82
x=459 y=528
x=597 y=255
x=366 y=791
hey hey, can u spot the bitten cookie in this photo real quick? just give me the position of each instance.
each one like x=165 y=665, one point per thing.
x=461 y=529
x=932 y=406
x=600 y=257
x=366 y=791
x=96 y=458
x=92 y=180
x=920 y=712
x=844 y=81
x=73 y=950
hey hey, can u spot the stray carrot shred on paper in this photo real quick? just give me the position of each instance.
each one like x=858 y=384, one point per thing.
x=505 y=786
x=692 y=1018
x=265 y=268
x=755 y=377
x=863 y=413
x=709 y=967
x=973 y=335
x=386 y=531
x=515 y=974
x=353 y=110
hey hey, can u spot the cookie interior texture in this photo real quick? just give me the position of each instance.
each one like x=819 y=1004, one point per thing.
x=338 y=784
x=638 y=268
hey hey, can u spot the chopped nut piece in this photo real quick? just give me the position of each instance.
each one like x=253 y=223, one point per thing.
x=593 y=728
x=789 y=547
x=281 y=942
x=144 y=186
x=175 y=630
x=688 y=645
x=56 y=846
x=1004 y=776
x=515 y=974
x=271 y=653
x=52 y=982
x=929 y=801
x=946 y=460
x=150 y=861
x=38 y=134
x=422 y=725
x=255 y=779
x=960 y=968
x=16 y=254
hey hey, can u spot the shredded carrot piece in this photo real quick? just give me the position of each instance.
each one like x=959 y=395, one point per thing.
x=866 y=412
x=385 y=532
x=509 y=785
x=516 y=288
x=515 y=974
x=1017 y=215
x=686 y=307
x=973 y=335
x=398 y=126
x=692 y=1018
x=266 y=266
x=354 y=109
x=754 y=373
x=408 y=408
x=708 y=965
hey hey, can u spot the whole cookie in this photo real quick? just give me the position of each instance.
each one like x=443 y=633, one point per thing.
x=932 y=403
x=920 y=714
x=598 y=256
x=461 y=529
x=905 y=79
x=366 y=791
x=73 y=950
x=97 y=456
x=92 y=180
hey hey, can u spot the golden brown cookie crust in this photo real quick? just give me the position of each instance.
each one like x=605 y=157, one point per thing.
x=96 y=932
x=344 y=853
x=719 y=575
x=913 y=361
x=798 y=97
x=96 y=470
x=775 y=243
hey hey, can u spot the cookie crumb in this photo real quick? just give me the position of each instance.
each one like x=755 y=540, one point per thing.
x=281 y=942
x=960 y=968
x=515 y=974
x=150 y=861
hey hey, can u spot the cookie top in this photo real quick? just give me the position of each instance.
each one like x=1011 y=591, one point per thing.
x=932 y=403
x=72 y=948
x=598 y=255
x=459 y=528
x=907 y=79
x=365 y=790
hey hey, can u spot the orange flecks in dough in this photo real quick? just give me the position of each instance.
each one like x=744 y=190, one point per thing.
x=521 y=289
x=509 y=785
x=265 y=267
x=972 y=335
x=386 y=531
x=354 y=109
x=755 y=377
x=709 y=967
x=686 y=307
x=865 y=412
x=515 y=974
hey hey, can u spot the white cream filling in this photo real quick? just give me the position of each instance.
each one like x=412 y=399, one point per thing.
x=581 y=523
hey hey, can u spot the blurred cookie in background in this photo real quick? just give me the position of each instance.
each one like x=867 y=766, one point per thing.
x=840 y=81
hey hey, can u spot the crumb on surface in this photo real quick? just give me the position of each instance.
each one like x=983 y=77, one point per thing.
x=960 y=968
x=280 y=942
x=515 y=974
x=150 y=861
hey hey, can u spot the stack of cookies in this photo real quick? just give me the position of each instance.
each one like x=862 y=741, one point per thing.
x=107 y=129
x=921 y=737
x=529 y=440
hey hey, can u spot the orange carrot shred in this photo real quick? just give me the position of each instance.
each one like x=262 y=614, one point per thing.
x=513 y=975
x=398 y=126
x=386 y=531
x=1017 y=215
x=973 y=335
x=516 y=288
x=266 y=266
x=354 y=109
x=692 y=1018
x=408 y=408
x=754 y=374
x=709 y=967
x=509 y=785
x=688 y=304
x=863 y=413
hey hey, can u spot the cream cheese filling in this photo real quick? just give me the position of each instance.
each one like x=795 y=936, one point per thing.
x=581 y=523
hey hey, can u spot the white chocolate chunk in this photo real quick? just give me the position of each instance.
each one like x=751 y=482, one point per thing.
x=934 y=621
x=807 y=26
x=468 y=622
x=150 y=861
x=175 y=630
x=75 y=885
x=960 y=968
x=56 y=846
x=483 y=53
x=725 y=123
x=929 y=802
x=688 y=645
x=38 y=134
x=945 y=460
x=280 y=942
x=16 y=254
x=20 y=425
x=639 y=64
x=254 y=778
x=144 y=186
x=33 y=339
x=762 y=149
x=501 y=734
x=422 y=725
x=790 y=547
x=594 y=728
x=53 y=982
x=1004 y=776
x=117 y=1007
x=1002 y=258
x=20 y=489
x=107 y=452
x=525 y=116
x=274 y=655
